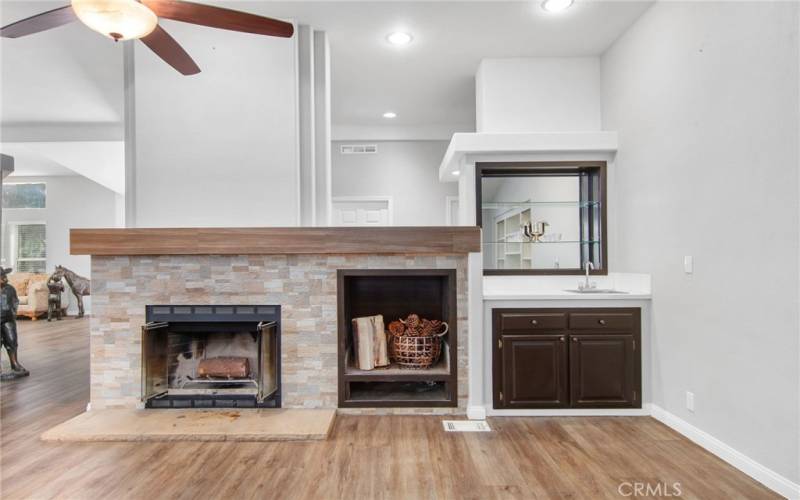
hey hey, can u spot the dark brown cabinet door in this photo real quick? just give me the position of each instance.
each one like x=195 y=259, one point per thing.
x=603 y=371
x=534 y=372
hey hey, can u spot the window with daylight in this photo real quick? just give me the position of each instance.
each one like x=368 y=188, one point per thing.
x=31 y=250
x=27 y=195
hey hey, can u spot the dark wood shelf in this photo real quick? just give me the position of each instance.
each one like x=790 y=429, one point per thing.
x=440 y=371
x=383 y=394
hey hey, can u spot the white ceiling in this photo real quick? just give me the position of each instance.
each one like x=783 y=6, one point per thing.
x=28 y=163
x=431 y=81
x=100 y=161
x=72 y=75
x=64 y=75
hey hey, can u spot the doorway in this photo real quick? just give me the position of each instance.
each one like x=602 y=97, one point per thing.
x=362 y=211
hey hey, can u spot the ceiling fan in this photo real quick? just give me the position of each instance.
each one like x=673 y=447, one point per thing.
x=132 y=19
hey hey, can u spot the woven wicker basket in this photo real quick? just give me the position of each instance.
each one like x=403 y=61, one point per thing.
x=417 y=352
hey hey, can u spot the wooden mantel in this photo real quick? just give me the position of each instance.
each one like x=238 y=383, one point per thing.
x=276 y=240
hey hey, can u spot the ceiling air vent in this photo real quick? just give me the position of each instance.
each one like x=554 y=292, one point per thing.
x=358 y=149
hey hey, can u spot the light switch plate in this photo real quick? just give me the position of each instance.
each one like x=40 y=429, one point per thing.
x=690 y=401
x=688 y=264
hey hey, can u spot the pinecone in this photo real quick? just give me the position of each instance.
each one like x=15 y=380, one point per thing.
x=414 y=332
x=397 y=328
x=427 y=328
x=412 y=321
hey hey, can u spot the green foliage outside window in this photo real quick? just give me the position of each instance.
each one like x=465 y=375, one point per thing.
x=29 y=195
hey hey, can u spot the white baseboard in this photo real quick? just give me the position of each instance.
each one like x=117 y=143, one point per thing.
x=760 y=473
x=476 y=413
x=583 y=412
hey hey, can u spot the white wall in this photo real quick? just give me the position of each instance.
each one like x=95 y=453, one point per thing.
x=219 y=148
x=538 y=95
x=72 y=202
x=408 y=171
x=705 y=99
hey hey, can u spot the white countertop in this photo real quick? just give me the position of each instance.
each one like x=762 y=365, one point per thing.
x=636 y=286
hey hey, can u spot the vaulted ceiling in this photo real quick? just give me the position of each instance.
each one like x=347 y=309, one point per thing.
x=71 y=80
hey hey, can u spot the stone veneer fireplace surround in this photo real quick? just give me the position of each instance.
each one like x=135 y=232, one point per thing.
x=304 y=285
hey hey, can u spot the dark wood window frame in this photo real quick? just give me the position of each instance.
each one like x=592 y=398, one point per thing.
x=593 y=176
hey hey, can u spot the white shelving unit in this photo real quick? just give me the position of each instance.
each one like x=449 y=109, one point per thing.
x=511 y=253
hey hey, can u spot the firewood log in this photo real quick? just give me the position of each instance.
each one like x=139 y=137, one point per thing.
x=223 y=367
x=369 y=339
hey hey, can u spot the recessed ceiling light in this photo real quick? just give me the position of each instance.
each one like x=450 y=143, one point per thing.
x=390 y=114
x=556 y=5
x=456 y=172
x=399 y=38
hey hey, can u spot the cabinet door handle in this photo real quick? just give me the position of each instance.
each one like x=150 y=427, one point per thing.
x=562 y=339
x=534 y=322
x=601 y=321
x=574 y=339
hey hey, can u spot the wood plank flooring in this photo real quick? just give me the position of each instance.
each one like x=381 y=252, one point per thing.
x=366 y=457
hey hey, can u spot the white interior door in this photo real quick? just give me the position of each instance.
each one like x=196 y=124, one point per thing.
x=355 y=211
x=451 y=210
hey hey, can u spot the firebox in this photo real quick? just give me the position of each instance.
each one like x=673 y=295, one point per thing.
x=205 y=356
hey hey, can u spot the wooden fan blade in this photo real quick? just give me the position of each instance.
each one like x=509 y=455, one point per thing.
x=40 y=22
x=170 y=51
x=217 y=17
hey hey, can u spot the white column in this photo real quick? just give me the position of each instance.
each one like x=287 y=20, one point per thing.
x=130 y=133
x=322 y=125
x=476 y=403
x=306 y=117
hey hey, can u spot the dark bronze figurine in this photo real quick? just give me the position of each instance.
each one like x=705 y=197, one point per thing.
x=79 y=285
x=8 y=326
x=54 y=290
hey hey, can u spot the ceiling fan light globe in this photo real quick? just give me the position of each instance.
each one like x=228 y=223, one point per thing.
x=556 y=5
x=116 y=19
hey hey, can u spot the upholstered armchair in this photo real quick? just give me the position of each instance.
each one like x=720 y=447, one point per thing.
x=32 y=293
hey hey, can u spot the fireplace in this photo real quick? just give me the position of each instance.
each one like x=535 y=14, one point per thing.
x=202 y=356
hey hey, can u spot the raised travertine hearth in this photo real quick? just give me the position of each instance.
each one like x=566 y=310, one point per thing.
x=303 y=284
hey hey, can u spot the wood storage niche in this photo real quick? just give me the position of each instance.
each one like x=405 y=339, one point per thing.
x=424 y=380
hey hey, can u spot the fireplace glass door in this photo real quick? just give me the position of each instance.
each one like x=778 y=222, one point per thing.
x=203 y=358
x=154 y=360
x=267 y=350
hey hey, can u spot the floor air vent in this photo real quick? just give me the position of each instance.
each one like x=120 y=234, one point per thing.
x=358 y=149
x=466 y=426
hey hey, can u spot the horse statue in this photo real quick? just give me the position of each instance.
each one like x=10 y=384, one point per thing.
x=78 y=284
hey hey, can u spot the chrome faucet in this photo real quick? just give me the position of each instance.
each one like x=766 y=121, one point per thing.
x=586 y=285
